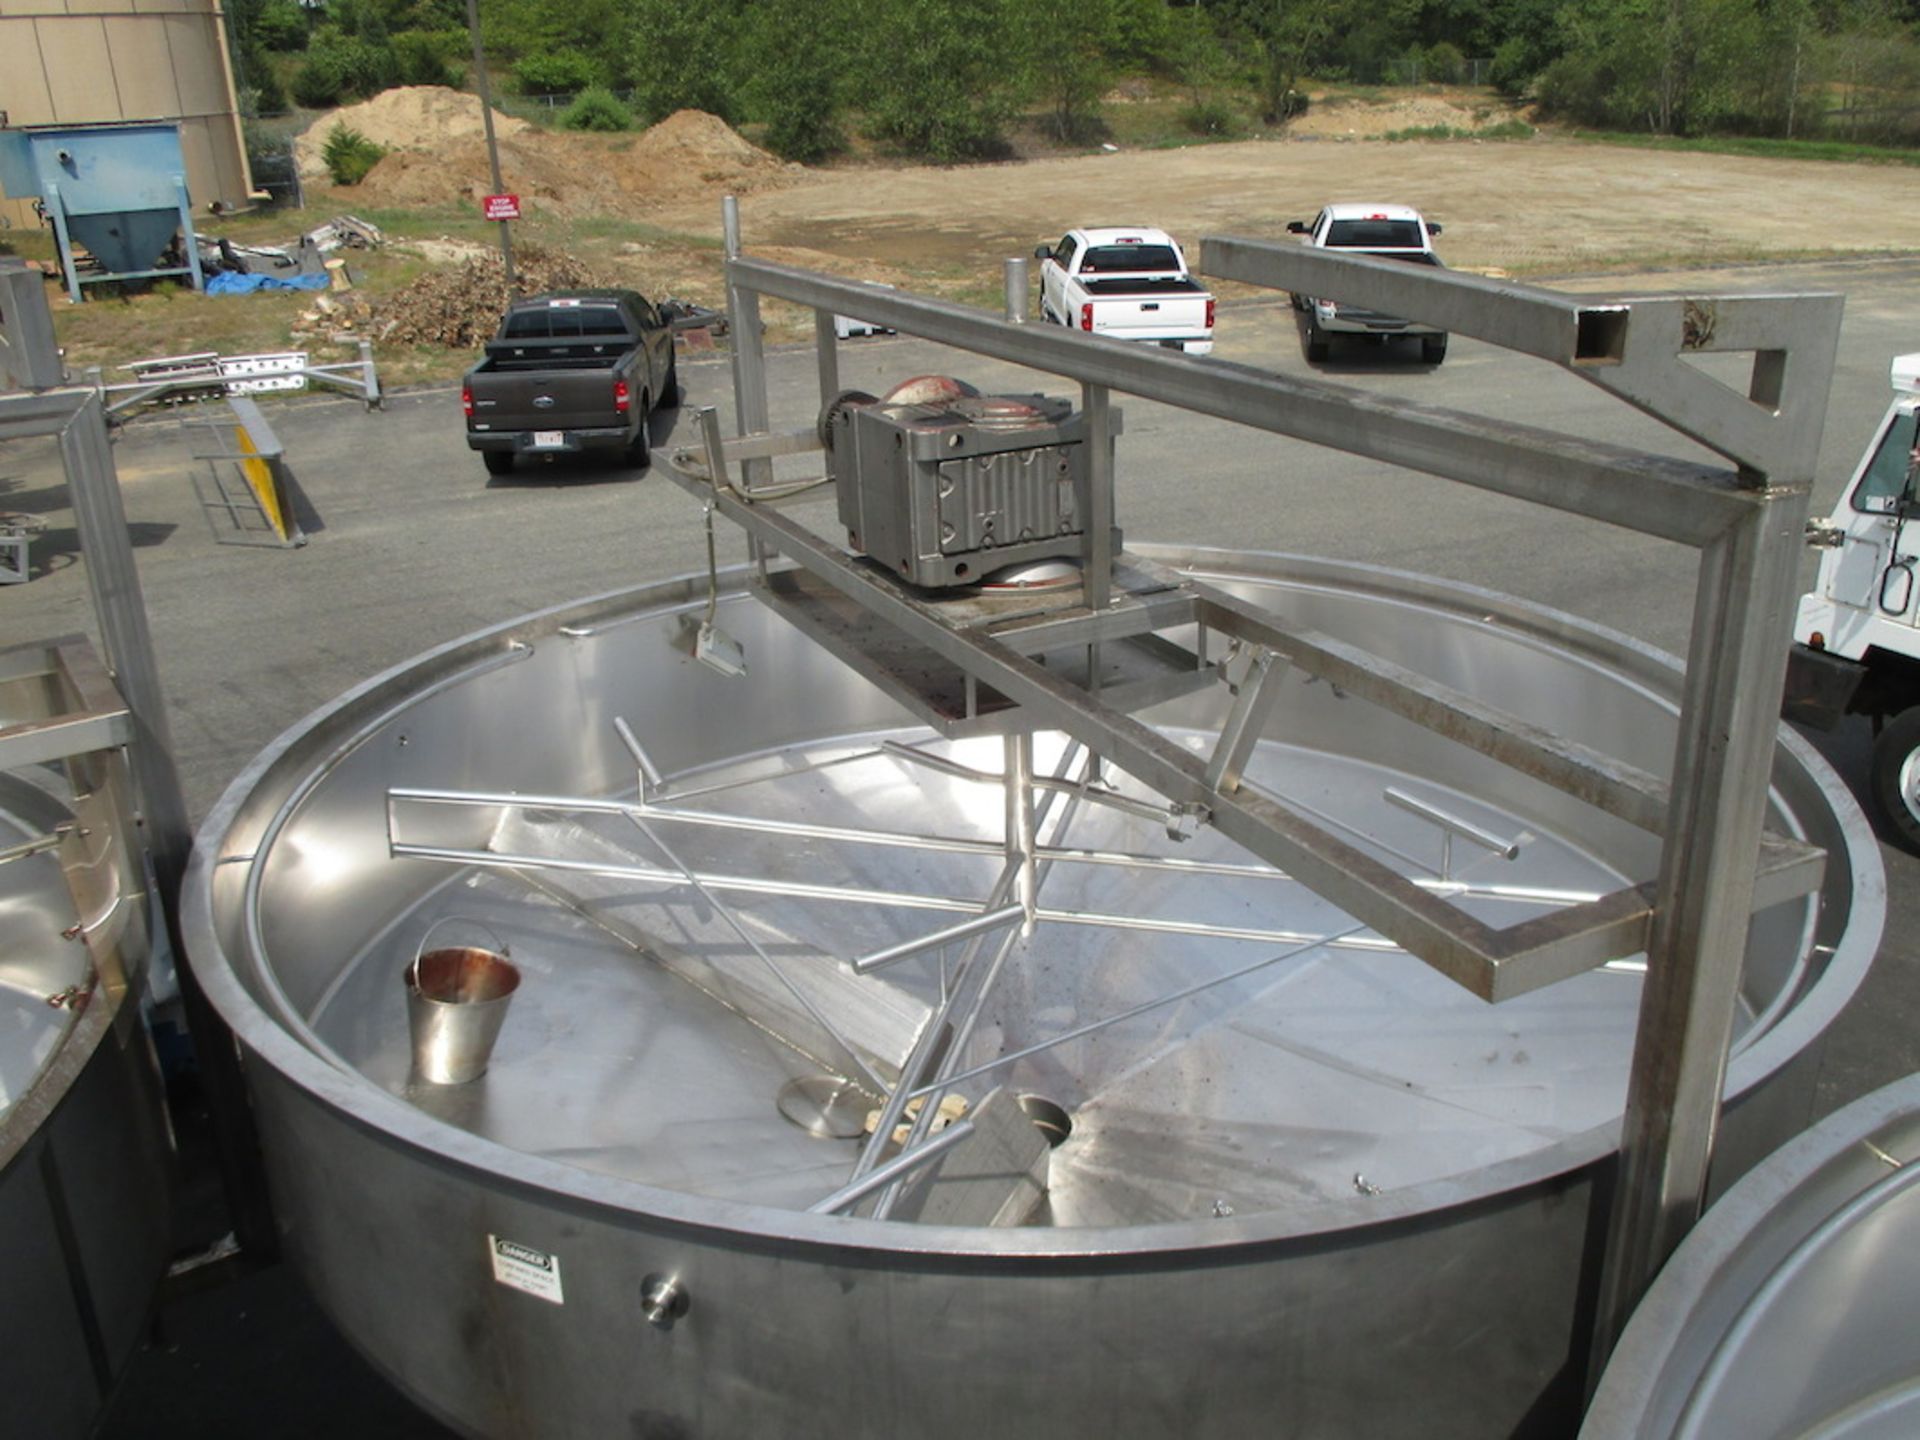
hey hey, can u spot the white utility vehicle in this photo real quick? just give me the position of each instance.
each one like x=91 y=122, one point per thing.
x=1857 y=637
x=1393 y=232
x=1130 y=283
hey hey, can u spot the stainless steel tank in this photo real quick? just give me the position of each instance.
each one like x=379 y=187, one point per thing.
x=1792 y=1309
x=1300 y=1184
x=84 y=1151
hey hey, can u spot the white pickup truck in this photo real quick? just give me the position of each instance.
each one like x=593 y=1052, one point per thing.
x=1130 y=283
x=1857 y=636
x=1391 y=232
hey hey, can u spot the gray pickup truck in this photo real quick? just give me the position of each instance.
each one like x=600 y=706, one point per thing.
x=567 y=372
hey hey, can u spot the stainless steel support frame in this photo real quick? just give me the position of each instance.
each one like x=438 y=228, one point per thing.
x=357 y=377
x=1746 y=522
x=29 y=354
x=76 y=417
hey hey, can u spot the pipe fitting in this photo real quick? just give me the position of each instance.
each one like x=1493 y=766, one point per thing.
x=663 y=1300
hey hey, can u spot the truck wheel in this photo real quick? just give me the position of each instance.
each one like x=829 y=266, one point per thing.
x=670 y=392
x=498 y=462
x=1433 y=348
x=1316 y=343
x=1896 y=775
x=639 y=453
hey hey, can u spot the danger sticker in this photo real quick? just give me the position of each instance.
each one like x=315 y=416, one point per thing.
x=524 y=1268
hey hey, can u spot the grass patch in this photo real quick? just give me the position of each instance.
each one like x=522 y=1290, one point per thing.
x=1841 y=151
x=612 y=227
x=1653 y=261
x=34 y=244
x=112 y=330
x=1505 y=130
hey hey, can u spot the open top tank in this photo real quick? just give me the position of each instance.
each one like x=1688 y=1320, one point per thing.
x=1208 y=1157
x=1789 y=1312
x=85 y=1209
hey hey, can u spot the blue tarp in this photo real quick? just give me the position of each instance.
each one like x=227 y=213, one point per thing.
x=228 y=282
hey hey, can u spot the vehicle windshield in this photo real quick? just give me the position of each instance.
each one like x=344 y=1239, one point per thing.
x=1128 y=259
x=1886 y=476
x=1376 y=234
x=560 y=322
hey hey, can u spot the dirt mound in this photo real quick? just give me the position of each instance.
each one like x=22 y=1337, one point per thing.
x=691 y=153
x=543 y=170
x=688 y=155
x=459 y=306
x=697 y=140
x=1338 y=119
x=418 y=118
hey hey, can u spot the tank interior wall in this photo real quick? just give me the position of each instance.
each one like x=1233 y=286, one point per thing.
x=478 y=736
x=78 y=63
x=475 y=735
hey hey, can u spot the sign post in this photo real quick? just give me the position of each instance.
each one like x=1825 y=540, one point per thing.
x=493 y=148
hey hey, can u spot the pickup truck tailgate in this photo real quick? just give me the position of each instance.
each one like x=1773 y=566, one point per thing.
x=1131 y=318
x=547 y=399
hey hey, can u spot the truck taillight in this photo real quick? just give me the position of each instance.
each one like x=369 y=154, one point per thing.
x=1086 y=317
x=622 y=397
x=1209 y=312
x=466 y=400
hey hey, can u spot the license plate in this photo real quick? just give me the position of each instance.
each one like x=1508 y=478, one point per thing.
x=549 y=439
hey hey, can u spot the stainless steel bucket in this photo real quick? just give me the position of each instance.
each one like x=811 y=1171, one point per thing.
x=457 y=999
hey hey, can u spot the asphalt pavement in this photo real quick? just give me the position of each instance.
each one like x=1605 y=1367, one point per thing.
x=411 y=543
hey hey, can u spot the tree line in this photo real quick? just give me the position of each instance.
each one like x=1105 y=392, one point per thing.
x=945 y=79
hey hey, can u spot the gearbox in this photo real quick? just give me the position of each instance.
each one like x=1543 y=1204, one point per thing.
x=943 y=485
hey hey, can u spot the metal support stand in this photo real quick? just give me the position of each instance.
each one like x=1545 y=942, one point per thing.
x=78 y=419
x=1716 y=863
x=1730 y=718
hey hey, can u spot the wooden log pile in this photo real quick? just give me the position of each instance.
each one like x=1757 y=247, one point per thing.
x=458 y=306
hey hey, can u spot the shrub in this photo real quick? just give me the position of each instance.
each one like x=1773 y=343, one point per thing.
x=938 y=82
x=566 y=72
x=1512 y=70
x=1209 y=116
x=684 y=57
x=341 y=67
x=281 y=25
x=349 y=155
x=596 y=110
x=1445 y=64
x=259 y=92
x=427 y=57
x=794 y=79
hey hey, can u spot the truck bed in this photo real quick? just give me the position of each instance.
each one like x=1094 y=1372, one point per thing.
x=1151 y=286
x=554 y=354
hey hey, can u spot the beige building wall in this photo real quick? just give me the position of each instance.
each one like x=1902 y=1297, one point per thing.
x=73 y=62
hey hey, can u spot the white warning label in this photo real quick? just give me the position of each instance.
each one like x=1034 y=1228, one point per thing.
x=525 y=1268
